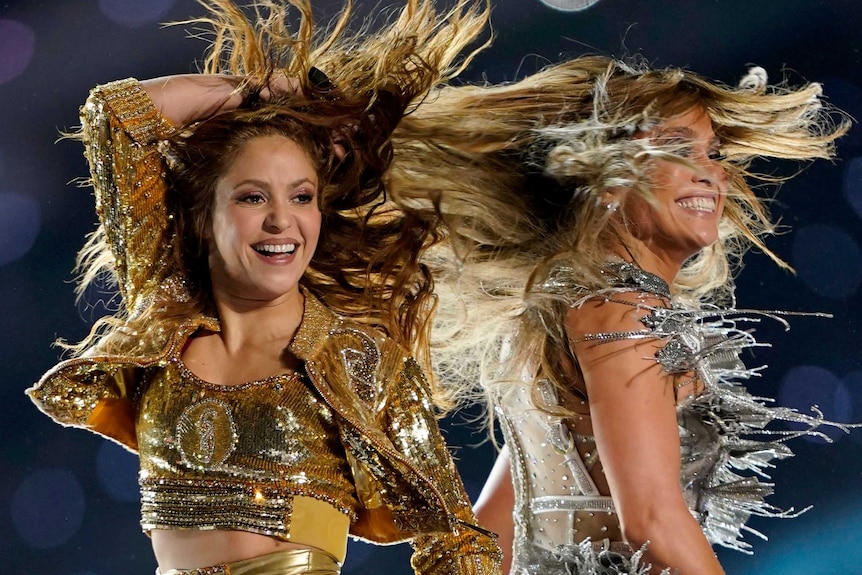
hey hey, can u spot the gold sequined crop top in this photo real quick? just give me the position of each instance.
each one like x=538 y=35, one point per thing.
x=234 y=457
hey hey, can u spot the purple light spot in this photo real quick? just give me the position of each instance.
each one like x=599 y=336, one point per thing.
x=806 y=387
x=134 y=13
x=47 y=508
x=19 y=225
x=853 y=184
x=117 y=471
x=17 y=44
x=828 y=260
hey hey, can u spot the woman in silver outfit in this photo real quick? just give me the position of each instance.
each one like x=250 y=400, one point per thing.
x=596 y=213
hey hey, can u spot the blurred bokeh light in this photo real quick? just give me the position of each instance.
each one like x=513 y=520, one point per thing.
x=134 y=12
x=19 y=225
x=48 y=508
x=17 y=43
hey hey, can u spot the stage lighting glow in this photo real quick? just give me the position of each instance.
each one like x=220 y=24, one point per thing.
x=134 y=12
x=828 y=260
x=807 y=386
x=48 y=507
x=19 y=225
x=569 y=5
x=17 y=44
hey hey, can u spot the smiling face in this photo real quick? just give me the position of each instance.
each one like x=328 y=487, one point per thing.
x=689 y=200
x=265 y=222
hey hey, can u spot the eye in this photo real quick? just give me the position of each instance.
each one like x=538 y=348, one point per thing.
x=716 y=155
x=677 y=144
x=304 y=197
x=253 y=197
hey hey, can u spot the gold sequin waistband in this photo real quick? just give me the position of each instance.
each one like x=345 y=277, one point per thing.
x=290 y=562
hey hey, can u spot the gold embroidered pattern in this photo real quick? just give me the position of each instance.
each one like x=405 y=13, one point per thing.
x=361 y=362
x=206 y=434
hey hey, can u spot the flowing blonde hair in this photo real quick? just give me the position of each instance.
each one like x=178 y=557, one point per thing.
x=367 y=263
x=523 y=176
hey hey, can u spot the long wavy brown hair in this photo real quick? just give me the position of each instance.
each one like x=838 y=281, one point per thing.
x=367 y=261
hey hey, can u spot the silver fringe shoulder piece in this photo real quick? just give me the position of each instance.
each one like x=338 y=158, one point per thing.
x=729 y=437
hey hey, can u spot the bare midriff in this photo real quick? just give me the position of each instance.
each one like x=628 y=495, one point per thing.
x=314 y=525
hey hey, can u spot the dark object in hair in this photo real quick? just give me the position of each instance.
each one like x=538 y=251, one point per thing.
x=321 y=84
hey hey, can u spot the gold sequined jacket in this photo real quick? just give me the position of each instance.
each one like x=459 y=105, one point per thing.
x=405 y=479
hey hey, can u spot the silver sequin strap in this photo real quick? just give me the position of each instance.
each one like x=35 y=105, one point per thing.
x=571 y=503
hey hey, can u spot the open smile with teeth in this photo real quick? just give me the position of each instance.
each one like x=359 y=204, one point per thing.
x=698 y=204
x=274 y=249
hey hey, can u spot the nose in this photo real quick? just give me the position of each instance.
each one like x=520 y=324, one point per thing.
x=713 y=174
x=278 y=218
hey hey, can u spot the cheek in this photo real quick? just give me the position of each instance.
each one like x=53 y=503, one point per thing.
x=225 y=230
x=638 y=213
x=722 y=206
x=311 y=228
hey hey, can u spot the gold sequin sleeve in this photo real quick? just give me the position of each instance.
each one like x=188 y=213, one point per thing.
x=90 y=395
x=410 y=421
x=121 y=128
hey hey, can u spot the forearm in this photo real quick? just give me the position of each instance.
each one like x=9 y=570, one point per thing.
x=494 y=507
x=188 y=98
x=673 y=539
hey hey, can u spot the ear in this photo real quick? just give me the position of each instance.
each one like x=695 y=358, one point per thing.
x=206 y=234
x=611 y=199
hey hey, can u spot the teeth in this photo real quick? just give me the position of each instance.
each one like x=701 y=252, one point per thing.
x=276 y=249
x=698 y=204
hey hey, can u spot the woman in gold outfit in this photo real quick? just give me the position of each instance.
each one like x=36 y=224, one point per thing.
x=595 y=213
x=261 y=364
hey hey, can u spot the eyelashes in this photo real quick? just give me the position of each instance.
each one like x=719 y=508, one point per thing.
x=301 y=197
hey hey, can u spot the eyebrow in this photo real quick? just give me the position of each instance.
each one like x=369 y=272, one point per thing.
x=264 y=184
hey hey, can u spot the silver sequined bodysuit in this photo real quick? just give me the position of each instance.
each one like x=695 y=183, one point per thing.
x=564 y=522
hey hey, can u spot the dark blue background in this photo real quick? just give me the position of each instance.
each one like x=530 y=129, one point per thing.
x=68 y=500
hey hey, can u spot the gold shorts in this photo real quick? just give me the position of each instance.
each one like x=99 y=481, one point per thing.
x=290 y=562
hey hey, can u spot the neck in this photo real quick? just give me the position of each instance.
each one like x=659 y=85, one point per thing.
x=664 y=265
x=252 y=323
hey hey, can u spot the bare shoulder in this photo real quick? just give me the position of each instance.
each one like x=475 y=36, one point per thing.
x=618 y=312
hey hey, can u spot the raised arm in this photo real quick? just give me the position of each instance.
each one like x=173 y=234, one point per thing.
x=633 y=411
x=120 y=129
x=187 y=98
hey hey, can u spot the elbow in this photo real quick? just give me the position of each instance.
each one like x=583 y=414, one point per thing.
x=646 y=523
x=639 y=530
x=655 y=524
